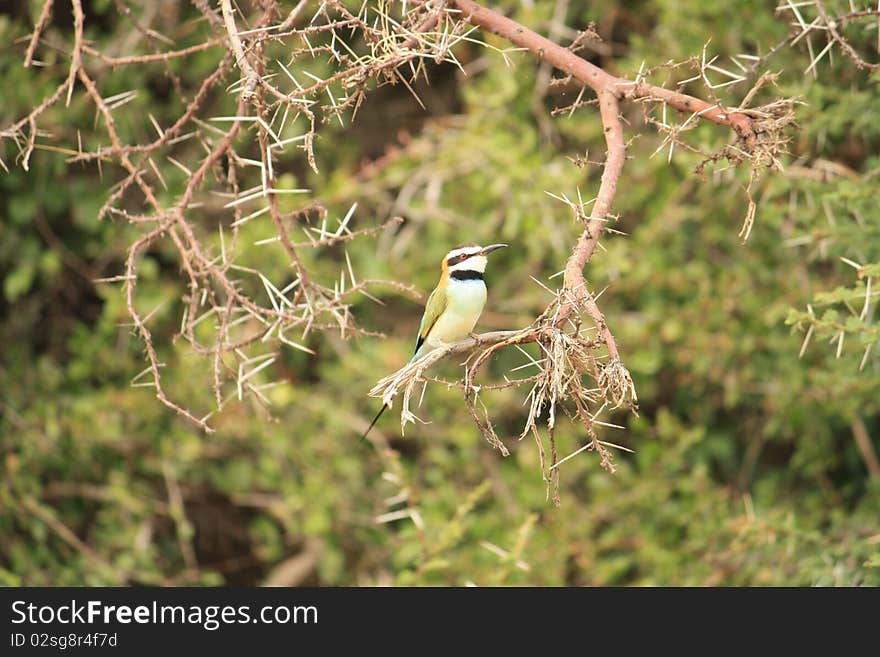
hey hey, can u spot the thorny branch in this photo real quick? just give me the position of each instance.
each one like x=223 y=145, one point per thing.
x=830 y=29
x=236 y=316
x=247 y=311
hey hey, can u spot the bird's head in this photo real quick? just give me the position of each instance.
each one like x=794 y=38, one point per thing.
x=469 y=257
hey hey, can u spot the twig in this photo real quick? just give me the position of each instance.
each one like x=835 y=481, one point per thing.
x=866 y=447
x=76 y=57
x=244 y=65
x=45 y=12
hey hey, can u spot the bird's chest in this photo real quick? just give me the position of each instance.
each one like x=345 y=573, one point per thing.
x=467 y=297
x=465 y=302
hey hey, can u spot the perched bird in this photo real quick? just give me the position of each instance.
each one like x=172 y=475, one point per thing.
x=455 y=304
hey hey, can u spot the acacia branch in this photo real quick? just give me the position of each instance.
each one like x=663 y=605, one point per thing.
x=574 y=281
x=609 y=89
x=594 y=77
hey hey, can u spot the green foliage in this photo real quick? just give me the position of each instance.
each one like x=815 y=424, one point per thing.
x=745 y=468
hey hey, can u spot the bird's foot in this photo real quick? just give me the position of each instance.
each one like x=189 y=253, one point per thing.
x=475 y=337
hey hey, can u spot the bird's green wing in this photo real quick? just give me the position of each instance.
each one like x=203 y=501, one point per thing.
x=433 y=309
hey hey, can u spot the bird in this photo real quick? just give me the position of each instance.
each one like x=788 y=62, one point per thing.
x=455 y=305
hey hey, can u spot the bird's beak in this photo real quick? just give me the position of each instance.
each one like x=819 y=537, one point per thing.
x=491 y=247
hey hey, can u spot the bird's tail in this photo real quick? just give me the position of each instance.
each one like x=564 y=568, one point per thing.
x=375 y=419
x=385 y=407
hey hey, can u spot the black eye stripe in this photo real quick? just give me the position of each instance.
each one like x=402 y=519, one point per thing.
x=454 y=260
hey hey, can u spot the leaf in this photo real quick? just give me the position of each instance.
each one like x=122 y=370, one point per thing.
x=19 y=281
